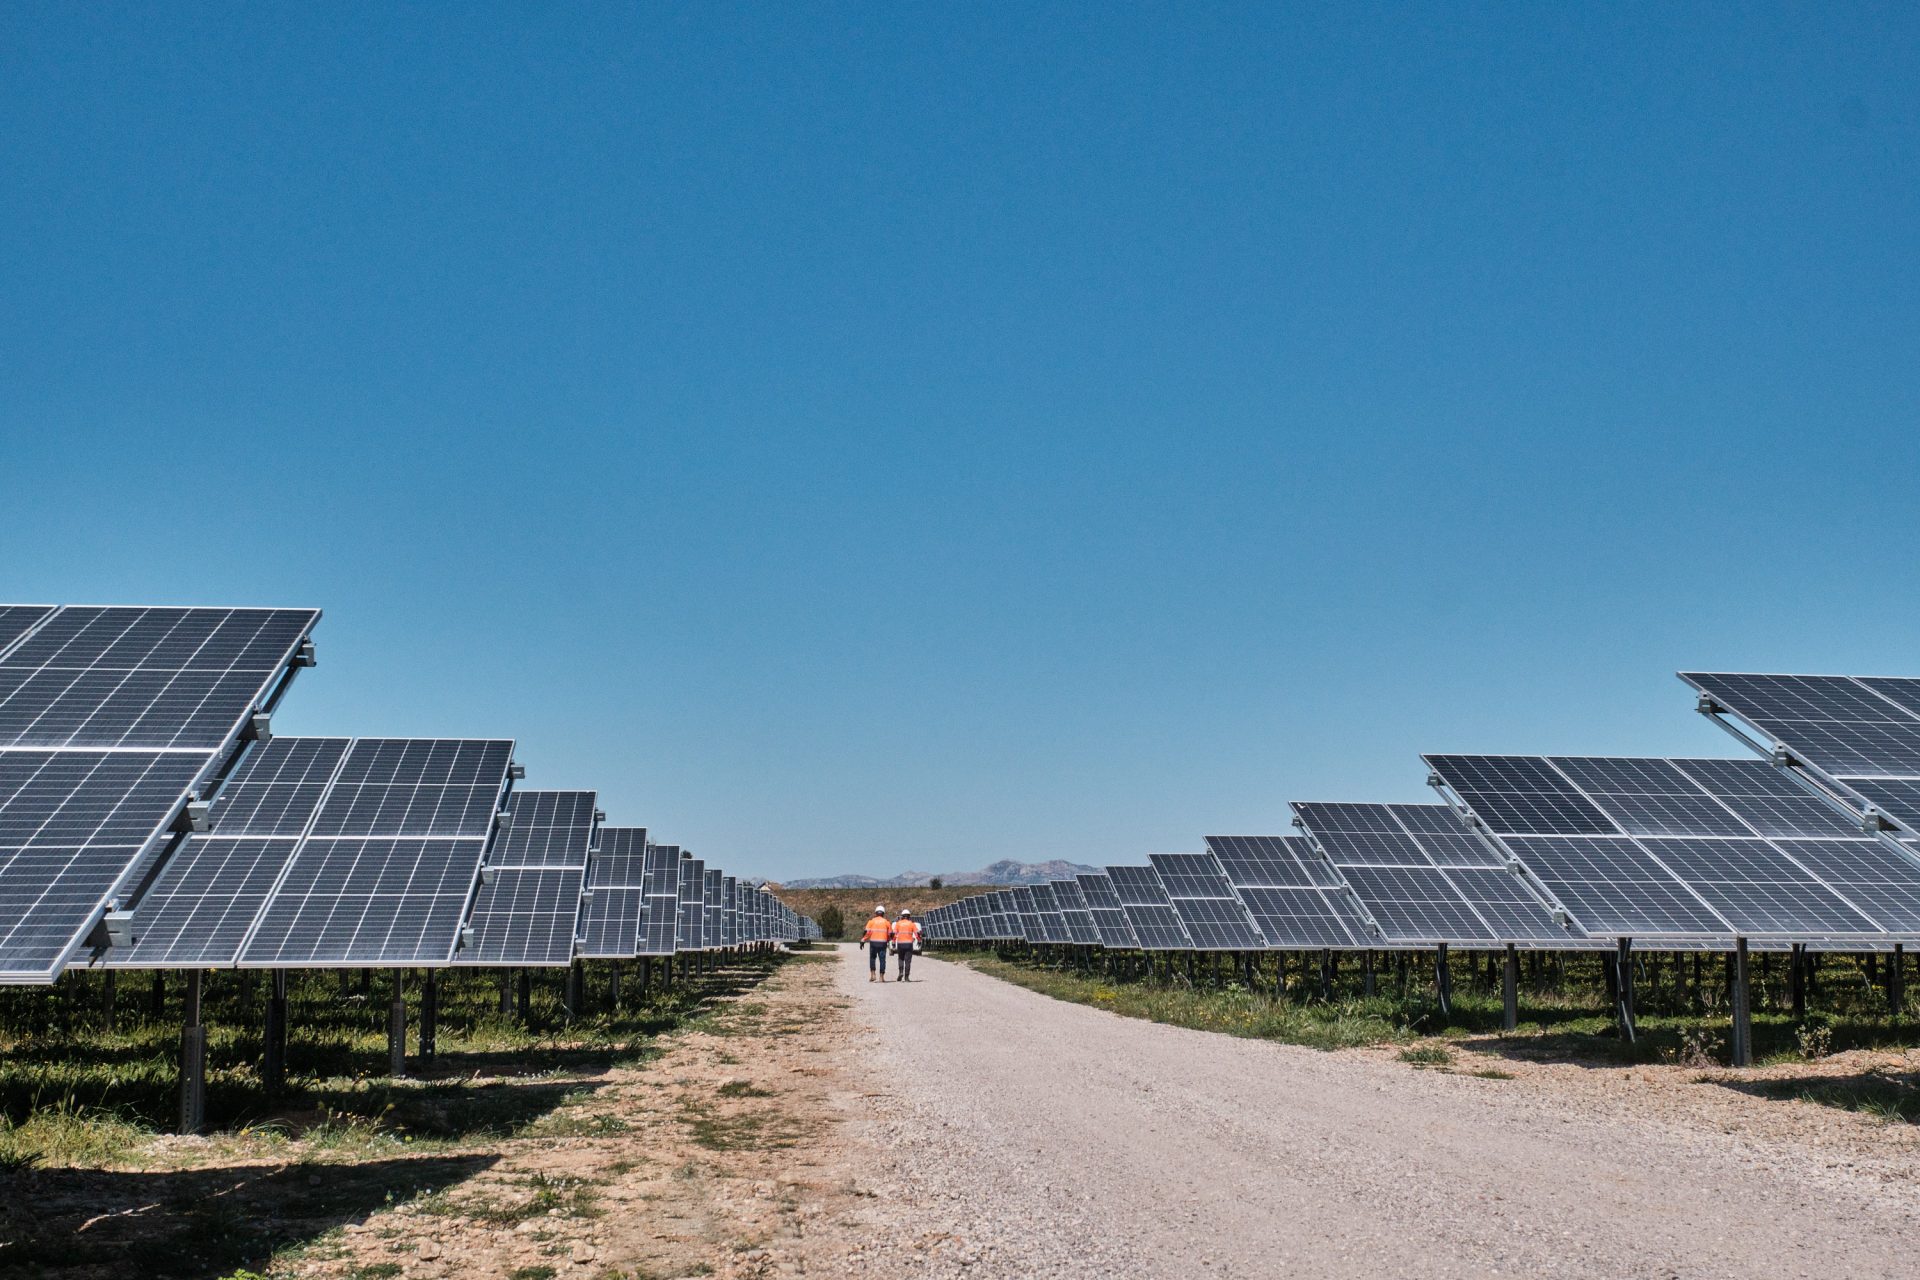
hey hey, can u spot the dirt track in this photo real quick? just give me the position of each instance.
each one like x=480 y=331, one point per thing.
x=1058 y=1140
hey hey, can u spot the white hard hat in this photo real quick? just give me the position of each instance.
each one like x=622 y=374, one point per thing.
x=905 y=912
x=880 y=910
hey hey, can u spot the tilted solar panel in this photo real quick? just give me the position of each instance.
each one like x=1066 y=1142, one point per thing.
x=1678 y=856
x=1150 y=914
x=111 y=719
x=1860 y=733
x=616 y=902
x=1292 y=893
x=1109 y=917
x=659 y=929
x=1215 y=920
x=1423 y=879
x=527 y=909
x=393 y=859
x=211 y=889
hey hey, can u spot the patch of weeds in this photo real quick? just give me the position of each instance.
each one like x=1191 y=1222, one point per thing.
x=742 y=1089
x=572 y=1197
x=1698 y=1047
x=1890 y=1099
x=374 y=1271
x=1813 y=1040
x=540 y=1271
x=68 y=1136
x=1492 y=1073
x=1427 y=1055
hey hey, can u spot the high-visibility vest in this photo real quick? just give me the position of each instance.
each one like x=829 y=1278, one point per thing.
x=878 y=930
x=906 y=931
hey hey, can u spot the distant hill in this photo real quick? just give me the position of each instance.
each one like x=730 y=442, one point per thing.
x=1005 y=871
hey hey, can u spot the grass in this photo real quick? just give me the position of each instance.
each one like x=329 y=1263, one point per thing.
x=1568 y=1019
x=74 y=1093
x=1427 y=1055
x=1884 y=1096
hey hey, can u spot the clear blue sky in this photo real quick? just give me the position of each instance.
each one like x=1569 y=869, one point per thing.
x=862 y=437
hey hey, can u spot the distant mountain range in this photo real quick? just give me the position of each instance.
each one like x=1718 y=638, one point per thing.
x=1005 y=871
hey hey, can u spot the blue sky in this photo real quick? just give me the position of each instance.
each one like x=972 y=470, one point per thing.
x=861 y=437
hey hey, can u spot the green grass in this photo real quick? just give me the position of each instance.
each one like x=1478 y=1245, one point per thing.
x=1567 y=1019
x=1427 y=1055
x=74 y=1093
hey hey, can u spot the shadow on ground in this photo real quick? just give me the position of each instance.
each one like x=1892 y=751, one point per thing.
x=201 y=1223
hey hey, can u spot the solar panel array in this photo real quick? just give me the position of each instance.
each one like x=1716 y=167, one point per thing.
x=1647 y=847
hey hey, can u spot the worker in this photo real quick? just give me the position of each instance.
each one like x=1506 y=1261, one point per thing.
x=879 y=933
x=906 y=933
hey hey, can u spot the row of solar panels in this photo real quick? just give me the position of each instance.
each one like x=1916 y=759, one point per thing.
x=149 y=818
x=1816 y=843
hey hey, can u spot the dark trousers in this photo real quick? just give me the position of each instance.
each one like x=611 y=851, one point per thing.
x=877 y=957
x=905 y=956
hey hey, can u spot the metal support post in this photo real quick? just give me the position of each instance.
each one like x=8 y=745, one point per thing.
x=1510 y=990
x=429 y=1013
x=613 y=987
x=646 y=974
x=273 y=1066
x=397 y=1026
x=1741 y=1051
x=193 y=1060
x=526 y=996
x=1367 y=982
x=1897 y=981
x=1623 y=966
x=107 y=999
x=1797 y=979
x=157 y=1005
x=1326 y=975
x=506 y=993
x=1443 y=980
x=576 y=989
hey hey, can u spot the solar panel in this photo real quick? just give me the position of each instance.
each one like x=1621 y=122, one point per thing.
x=387 y=873
x=210 y=890
x=1215 y=920
x=1104 y=909
x=729 y=911
x=616 y=902
x=690 y=931
x=1860 y=732
x=1074 y=914
x=1285 y=886
x=658 y=930
x=710 y=920
x=18 y=619
x=1149 y=911
x=527 y=909
x=1423 y=879
x=1680 y=857
x=110 y=718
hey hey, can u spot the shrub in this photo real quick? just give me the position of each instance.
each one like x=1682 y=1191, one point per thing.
x=832 y=926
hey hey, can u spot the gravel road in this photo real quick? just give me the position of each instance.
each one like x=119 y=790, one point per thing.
x=1051 y=1139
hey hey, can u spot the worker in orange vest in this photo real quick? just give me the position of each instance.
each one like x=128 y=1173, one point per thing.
x=879 y=933
x=906 y=932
